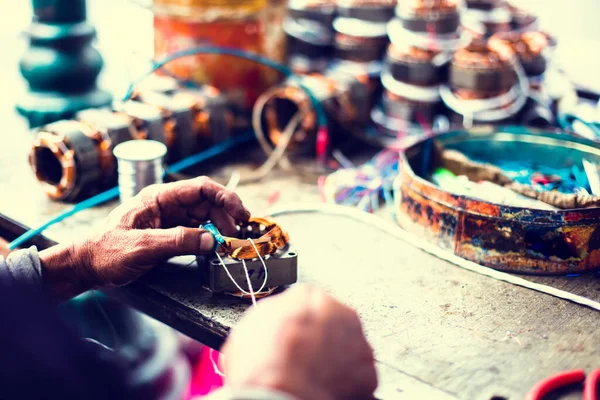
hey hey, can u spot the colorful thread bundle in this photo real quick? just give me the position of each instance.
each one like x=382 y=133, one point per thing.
x=363 y=187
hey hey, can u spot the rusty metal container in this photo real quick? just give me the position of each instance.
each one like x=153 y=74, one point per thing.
x=506 y=238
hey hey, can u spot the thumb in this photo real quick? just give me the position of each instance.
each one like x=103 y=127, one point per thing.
x=178 y=241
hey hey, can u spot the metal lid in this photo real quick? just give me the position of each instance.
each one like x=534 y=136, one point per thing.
x=140 y=150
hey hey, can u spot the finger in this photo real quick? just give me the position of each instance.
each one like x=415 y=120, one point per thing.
x=223 y=221
x=193 y=192
x=159 y=244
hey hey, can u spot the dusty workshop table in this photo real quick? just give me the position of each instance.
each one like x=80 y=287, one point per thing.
x=436 y=329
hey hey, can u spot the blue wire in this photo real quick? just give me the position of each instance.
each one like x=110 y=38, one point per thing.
x=114 y=192
x=282 y=68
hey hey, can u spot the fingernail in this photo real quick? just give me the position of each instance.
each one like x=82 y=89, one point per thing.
x=207 y=242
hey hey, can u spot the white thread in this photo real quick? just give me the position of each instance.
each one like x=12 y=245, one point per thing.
x=263 y=263
x=214 y=364
x=260 y=291
x=229 y=274
x=252 y=296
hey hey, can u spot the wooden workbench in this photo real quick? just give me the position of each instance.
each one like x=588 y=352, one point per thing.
x=436 y=329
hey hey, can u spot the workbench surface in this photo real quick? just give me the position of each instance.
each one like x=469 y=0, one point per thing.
x=438 y=331
x=436 y=328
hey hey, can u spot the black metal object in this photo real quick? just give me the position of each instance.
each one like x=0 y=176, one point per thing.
x=282 y=270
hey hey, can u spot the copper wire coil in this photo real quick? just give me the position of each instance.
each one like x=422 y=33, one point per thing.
x=411 y=111
x=530 y=48
x=284 y=103
x=367 y=10
x=432 y=17
x=485 y=5
x=65 y=159
x=210 y=113
x=478 y=55
x=425 y=8
x=483 y=69
x=467 y=94
x=315 y=10
x=268 y=235
x=410 y=54
x=413 y=65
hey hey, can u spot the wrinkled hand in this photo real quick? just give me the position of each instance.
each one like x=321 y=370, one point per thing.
x=304 y=343
x=160 y=222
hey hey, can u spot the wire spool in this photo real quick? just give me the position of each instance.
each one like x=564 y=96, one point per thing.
x=320 y=11
x=65 y=159
x=429 y=16
x=359 y=41
x=367 y=10
x=140 y=165
x=310 y=45
x=213 y=120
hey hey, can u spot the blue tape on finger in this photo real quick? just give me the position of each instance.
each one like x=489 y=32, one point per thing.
x=219 y=239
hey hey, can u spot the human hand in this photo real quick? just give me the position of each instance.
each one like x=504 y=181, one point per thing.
x=160 y=222
x=303 y=343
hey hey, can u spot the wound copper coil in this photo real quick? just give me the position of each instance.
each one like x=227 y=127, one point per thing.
x=359 y=41
x=485 y=5
x=213 y=119
x=367 y=10
x=430 y=16
x=402 y=108
x=269 y=237
x=321 y=11
x=528 y=46
x=480 y=68
x=413 y=65
x=310 y=45
x=65 y=159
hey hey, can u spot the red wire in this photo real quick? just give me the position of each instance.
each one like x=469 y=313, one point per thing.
x=548 y=385
x=592 y=386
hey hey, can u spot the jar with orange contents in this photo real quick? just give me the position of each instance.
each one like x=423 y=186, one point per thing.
x=248 y=25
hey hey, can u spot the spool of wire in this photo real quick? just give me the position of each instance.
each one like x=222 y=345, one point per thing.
x=140 y=164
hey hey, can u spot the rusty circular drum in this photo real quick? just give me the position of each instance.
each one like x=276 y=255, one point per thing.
x=503 y=237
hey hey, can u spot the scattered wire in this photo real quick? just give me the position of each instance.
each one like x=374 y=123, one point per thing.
x=363 y=187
